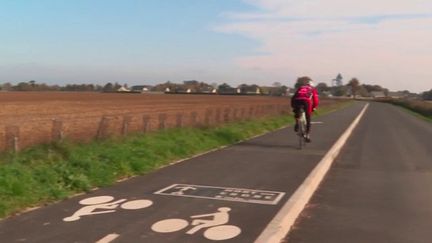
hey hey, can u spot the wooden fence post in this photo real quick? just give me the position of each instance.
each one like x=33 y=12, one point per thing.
x=194 y=116
x=208 y=113
x=179 y=120
x=103 y=128
x=126 y=122
x=257 y=111
x=162 y=121
x=146 y=123
x=226 y=115
x=235 y=113
x=57 y=130
x=12 y=138
x=251 y=112
x=218 y=115
x=264 y=109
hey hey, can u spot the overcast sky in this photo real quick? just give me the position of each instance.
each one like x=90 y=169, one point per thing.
x=385 y=42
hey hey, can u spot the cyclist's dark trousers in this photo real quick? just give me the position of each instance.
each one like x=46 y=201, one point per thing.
x=297 y=105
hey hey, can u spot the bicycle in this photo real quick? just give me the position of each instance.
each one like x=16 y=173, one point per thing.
x=105 y=204
x=213 y=229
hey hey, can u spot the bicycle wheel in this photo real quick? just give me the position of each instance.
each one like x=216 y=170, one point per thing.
x=302 y=130
x=169 y=225
x=222 y=232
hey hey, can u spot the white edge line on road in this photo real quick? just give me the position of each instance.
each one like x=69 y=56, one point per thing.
x=280 y=225
x=108 y=238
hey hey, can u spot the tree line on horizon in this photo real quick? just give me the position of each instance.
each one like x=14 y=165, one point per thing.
x=353 y=88
x=276 y=89
x=34 y=86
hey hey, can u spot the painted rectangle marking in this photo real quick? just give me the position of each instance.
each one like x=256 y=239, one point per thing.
x=223 y=193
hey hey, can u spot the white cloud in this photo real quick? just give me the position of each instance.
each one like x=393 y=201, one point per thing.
x=344 y=8
x=393 y=52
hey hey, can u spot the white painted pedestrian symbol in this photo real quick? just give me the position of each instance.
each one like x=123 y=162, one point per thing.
x=182 y=189
x=216 y=226
x=105 y=204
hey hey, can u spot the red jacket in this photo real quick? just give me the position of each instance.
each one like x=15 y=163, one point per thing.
x=307 y=93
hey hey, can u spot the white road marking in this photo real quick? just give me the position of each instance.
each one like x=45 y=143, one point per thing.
x=108 y=238
x=277 y=229
x=214 y=228
x=223 y=232
x=94 y=205
x=96 y=200
x=136 y=204
x=224 y=193
x=169 y=225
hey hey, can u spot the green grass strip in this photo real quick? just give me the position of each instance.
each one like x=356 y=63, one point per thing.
x=48 y=173
x=415 y=113
x=420 y=109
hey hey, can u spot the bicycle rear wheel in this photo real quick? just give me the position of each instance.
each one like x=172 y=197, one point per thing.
x=302 y=130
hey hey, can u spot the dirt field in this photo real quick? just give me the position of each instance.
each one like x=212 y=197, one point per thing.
x=29 y=118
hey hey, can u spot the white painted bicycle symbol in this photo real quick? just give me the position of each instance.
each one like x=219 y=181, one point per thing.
x=216 y=227
x=94 y=205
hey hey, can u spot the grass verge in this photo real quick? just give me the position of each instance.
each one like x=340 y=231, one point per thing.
x=419 y=108
x=416 y=114
x=48 y=173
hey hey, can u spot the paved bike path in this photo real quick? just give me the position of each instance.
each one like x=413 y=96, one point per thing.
x=252 y=179
x=378 y=190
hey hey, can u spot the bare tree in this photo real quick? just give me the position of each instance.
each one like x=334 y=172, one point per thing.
x=354 y=83
x=338 y=80
x=277 y=84
x=322 y=87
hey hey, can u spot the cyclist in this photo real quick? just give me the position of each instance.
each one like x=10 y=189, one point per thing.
x=305 y=96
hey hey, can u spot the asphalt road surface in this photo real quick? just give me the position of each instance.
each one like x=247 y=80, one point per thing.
x=379 y=185
x=379 y=188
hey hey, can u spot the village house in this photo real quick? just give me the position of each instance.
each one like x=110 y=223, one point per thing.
x=377 y=94
x=141 y=88
x=249 y=89
x=123 y=89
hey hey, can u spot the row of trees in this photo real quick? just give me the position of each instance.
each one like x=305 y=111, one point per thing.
x=34 y=86
x=193 y=85
x=427 y=95
x=201 y=87
x=352 y=88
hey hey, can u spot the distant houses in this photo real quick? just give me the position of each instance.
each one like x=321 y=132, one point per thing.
x=249 y=89
x=141 y=88
x=196 y=87
x=276 y=91
x=229 y=91
x=396 y=95
x=123 y=89
x=403 y=95
x=377 y=94
x=190 y=87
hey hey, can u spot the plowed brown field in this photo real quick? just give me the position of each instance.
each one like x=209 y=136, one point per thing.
x=28 y=118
